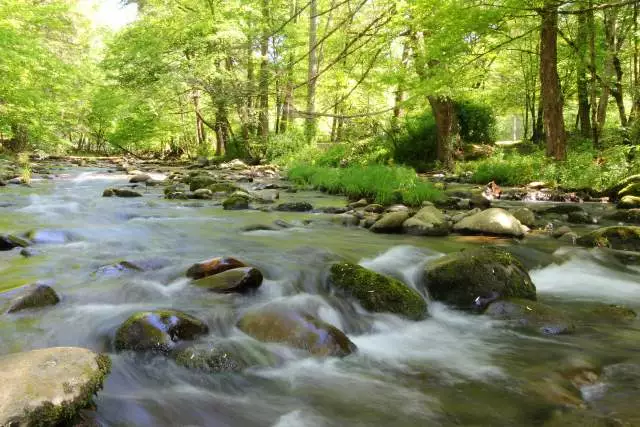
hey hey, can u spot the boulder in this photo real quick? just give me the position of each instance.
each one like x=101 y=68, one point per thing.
x=296 y=329
x=473 y=278
x=346 y=219
x=202 y=194
x=631 y=216
x=213 y=266
x=143 y=177
x=177 y=195
x=32 y=296
x=570 y=238
x=359 y=204
x=564 y=208
x=201 y=181
x=561 y=231
x=47 y=236
x=223 y=356
x=9 y=241
x=223 y=187
x=494 y=221
x=294 y=207
x=525 y=216
x=629 y=202
x=120 y=192
x=580 y=217
x=625 y=238
x=390 y=222
x=631 y=189
x=462 y=215
x=429 y=221
x=376 y=292
x=531 y=315
x=157 y=330
x=49 y=386
x=614 y=191
x=374 y=208
x=237 y=280
x=235 y=203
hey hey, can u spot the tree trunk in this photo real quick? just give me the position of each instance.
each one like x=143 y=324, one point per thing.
x=584 y=118
x=263 y=123
x=610 y=22
x=635 y=108
x=595 y=131
x=552 y=103
x=200 y=135
x=222 y=130
x=250 y=124
x=617 y=91
x=20 y=138
x=312 y=71
x=447 y=128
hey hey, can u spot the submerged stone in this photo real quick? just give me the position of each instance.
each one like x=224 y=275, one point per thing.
x=223 y=356
x=9 y=241
x=619 y=237
x=473 y=278
x=297 y=329
x=238 y=280
x=236 y=202
x=213 y=266
x=390 y=222
x=376 y=292
x=531 y=315
x=294 y=207
x=33 y=296
x=631 y=216
x=49 y=386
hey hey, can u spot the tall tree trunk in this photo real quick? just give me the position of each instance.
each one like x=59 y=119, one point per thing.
x=610 y=23
x=222 y=129
x=635 y=109
x=447 y=128
x=552 y=103
x=595 y=130
x=250 y=128
x=312 y=71
x=617 y=91
x=200 y=135
x=584 y=118
x=263 y=124
x=398 y=111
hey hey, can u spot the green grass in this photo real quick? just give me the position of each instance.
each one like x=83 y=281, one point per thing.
x=382 y=184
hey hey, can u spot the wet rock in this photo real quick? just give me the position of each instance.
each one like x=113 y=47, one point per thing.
x=49 y=236
x=359 y=204
x=36 y=295
x=479 y=201
x=631 y=216
x=390 y=222
x=333 y=210
x=298 y=330
x=202 y=194
x=49 y=386
x=580 y=217
x=9 y=241
x=429 y=221
x=570 y=238
x=610 y=313
x=397 y=208
x=143 y=177
x=374 y=208
x=525 y=216
x=237 y=280
x=462 y=215
x=201 y=181
x=564 y=208
x=619 y=237
x=494 y=221
x=223 y=356
x=157 y=330
x=259 y=227
x=132 y=266
x=629 y=202
x=174 y=188
x=213 y=266
x=531 y=315
x=223 y=187
x=376 y=292
x=561 y=231
x=177 y=195
x=631 y=189
x=120 y=192
x=346 y=220
x=473 y=278
x=294 y=207
x=29 y=252
x=235 y=202
x=266 y=196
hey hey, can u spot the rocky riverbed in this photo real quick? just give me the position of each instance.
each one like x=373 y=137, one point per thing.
x=221 y=295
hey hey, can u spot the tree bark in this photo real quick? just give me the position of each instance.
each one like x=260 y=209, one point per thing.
x=635 y=109
x=312 y=72
x=263 y=123
x=222 y=130
x=447 y=128
x=610 y=23
x=552 y=102
x=584 y=118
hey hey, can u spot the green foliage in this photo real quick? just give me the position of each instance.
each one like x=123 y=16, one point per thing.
x=382 y=184
x=477 y=122
x=281 y=148
x=415 y=144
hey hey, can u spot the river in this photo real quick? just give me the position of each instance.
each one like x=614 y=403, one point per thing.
x=451 y=369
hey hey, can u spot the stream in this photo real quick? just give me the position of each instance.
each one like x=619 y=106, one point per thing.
x=453 y=368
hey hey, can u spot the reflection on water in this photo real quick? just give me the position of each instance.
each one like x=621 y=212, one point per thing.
x=450 y=369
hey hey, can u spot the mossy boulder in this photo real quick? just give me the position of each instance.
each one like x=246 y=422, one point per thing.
x=143 y=177
x=213 y=266
x=238 y=280
x=202 y=194
x=236 y=202
x=631 y=189
x=429 y=221
x=223 y=187
x=120 y=192
x=614 y=191
x=9 y=241
x=629 y=202
x=32 y=296
x=532 y=316
x=494 y=221
x=296 y=329
x=201 y=181
x=158 y=330
x=49 y=386
x=224 y=356
x=294 y=207
x=525 y=216
x=619 y=237
x=376 y=292
x=390 y=222
x=563 y=208
x=475 y=277
x=631 y=216
x=609 y=313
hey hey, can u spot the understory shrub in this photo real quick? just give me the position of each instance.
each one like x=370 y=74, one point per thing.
x=382 y=184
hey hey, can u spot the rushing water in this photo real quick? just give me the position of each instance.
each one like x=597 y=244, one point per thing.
x=451 y=369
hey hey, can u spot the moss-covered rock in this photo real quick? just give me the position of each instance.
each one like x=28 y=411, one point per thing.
x=376 y=292
x=238 y=280
x=213 y=266
x=429 y=221
x=201 y=181
x=390 y=222
x=157 y=330
x=294 y=207
x=224 y=356
x=9 y=241
x=143 y=177
x=32 y=296
x=531 y=315
x=629 y=202
x=563 y=208
x=49 y=386
x=474 y=277
x=494 y=221
x=631 y=216
x=609 y=313
x=525 y=216
x=346 y=219
x=120 y=192
x=299 y=330
x=202 y=194
x=613 y=191
x=580 y=217
x=223 y=187
x=236 y=202
x=619 y=237
x=631 y=189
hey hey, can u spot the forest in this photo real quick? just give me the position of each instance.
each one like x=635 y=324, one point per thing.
x=422 y=83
